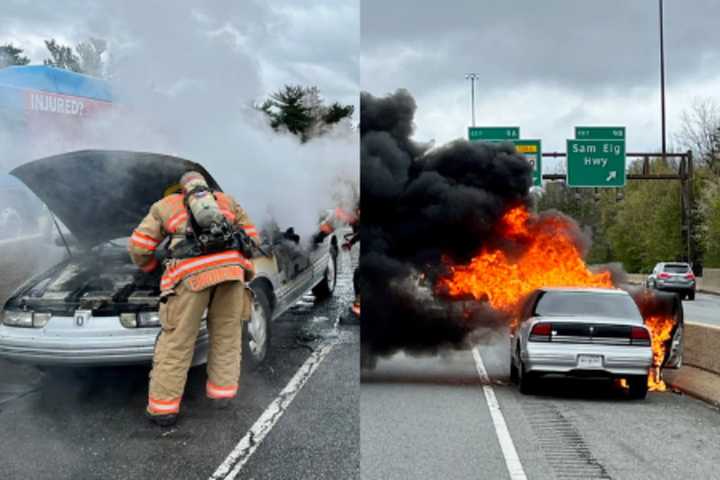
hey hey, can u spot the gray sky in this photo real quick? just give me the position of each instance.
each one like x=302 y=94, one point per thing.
x=313 y=42
x=544 y=66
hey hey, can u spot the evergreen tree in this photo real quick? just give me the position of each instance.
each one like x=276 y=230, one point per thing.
x=11 y=55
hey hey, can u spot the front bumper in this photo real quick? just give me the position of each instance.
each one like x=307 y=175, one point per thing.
x=617 y=360
x=100 y=341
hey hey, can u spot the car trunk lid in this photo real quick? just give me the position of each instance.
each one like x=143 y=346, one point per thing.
x=587 y=330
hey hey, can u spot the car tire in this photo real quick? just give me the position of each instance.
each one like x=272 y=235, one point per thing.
x=527 y=381
x=638 y=387
x=326 y=287
x=691 y=295
x=256 y=332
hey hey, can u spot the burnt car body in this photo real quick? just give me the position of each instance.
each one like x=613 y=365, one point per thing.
x=586 y=332
x=96 y=308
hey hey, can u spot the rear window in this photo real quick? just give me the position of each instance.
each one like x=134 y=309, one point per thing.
x=676 y=268
x=587 y=303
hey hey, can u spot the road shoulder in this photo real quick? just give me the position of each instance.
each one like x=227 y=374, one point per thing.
x=696 y=382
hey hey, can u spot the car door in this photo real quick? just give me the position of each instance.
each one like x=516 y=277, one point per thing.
x=651 y=277
x=674 y=356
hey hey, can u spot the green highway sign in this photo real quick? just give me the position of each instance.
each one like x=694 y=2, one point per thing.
x=596 y=163
x=493 y=133
x=532 y=151
x=600 y=133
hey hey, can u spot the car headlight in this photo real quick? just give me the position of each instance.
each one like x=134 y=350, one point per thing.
x=148 y=319
x=128 y=320
x=40 y=319
x=17 y=318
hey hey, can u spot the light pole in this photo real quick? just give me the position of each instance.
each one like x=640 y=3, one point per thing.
x=662 y=79
x=472 y=77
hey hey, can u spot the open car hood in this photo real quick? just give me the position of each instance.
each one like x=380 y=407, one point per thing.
x=103 y=194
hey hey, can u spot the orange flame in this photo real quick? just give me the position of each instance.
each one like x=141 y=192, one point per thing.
x=550 y=259
x=660 y=332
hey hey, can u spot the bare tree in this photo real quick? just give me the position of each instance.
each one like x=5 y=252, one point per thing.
x=700 y=131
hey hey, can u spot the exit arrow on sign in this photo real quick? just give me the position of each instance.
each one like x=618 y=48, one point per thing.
x=611 y=175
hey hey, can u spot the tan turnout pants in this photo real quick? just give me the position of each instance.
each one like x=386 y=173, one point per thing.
x=228 y=305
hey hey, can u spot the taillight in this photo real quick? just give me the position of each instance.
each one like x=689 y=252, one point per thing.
x=640 y=336
x=541 y=332
x=663 y=275
x=690 y=276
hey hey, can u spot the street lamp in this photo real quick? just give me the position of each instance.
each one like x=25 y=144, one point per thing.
x=662 y=78
x=472 y=77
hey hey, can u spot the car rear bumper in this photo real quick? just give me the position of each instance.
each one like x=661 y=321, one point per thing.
x=102 y=348
x=675 y=287
x=617 y=360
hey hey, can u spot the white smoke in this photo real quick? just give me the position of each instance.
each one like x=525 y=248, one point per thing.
x=185 y=78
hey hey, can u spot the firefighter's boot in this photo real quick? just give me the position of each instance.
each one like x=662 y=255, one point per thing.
x=162 y=420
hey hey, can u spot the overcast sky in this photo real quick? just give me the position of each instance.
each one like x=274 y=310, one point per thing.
x=544 y=66
x=313 y=42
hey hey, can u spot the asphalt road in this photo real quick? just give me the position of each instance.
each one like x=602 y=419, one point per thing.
x=704 y=309
x=89 y=424
x=429 y=418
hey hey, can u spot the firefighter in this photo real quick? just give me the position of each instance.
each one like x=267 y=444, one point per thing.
x=350 y=240
x=205 y=270
x=342 y=217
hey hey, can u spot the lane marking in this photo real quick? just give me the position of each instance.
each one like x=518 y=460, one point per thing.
x=247 y=445
x=512 y=461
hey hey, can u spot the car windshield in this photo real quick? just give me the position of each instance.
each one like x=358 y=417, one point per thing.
x=587 y=303
x=676 y=268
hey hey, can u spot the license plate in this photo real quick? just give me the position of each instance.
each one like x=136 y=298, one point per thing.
x=590 y=361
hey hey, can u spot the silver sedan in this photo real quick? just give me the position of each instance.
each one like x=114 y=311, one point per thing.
x=585 y=332
x=95 y=307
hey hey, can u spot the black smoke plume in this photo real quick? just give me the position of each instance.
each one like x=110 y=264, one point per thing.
x=420 y=204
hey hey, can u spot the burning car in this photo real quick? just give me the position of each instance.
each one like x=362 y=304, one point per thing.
x=95 y=307
x=587 y=332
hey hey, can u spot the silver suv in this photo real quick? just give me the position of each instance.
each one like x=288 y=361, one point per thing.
x=673 y=277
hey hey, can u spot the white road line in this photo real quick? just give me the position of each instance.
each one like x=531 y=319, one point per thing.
x=247 y=445
x=512 y=461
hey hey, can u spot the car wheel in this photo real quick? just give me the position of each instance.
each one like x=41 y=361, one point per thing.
x=326 y=287
x=526 y=380
x=256 y=331
x=638 y=386
x=691 y=295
